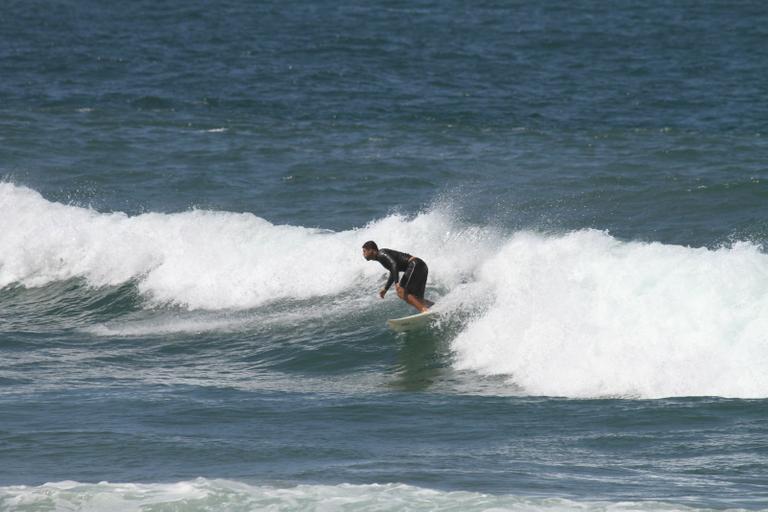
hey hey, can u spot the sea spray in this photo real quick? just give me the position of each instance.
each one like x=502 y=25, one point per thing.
x=586 y=315
x=217 y=260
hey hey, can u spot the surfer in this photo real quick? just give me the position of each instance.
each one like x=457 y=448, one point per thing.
x=414 y=281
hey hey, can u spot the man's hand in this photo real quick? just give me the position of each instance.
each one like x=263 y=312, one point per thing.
x=382 y=293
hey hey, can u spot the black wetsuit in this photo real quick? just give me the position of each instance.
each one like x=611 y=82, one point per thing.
x=414 y=279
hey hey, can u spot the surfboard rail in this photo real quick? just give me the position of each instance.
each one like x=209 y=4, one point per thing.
x=411 y=322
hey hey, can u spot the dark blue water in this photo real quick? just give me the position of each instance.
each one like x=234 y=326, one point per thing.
x=185 y=313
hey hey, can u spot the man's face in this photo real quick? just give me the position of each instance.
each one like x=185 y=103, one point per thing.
x=369 y=254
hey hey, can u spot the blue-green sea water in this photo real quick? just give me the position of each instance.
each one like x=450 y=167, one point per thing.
x=186 y=319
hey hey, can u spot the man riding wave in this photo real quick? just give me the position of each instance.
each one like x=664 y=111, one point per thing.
x=414 y=281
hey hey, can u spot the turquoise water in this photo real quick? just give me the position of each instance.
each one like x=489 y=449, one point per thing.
x=186 y=321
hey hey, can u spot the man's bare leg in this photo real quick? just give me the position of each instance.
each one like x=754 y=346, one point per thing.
x=416 y=302
x=421 y=305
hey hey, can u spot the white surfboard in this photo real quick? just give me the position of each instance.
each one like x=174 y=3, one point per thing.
x=410 y=323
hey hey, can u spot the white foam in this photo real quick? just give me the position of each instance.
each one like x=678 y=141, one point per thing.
x=214 y=260
x=585 y=315
x=226 y=496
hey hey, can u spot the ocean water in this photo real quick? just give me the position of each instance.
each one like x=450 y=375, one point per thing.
x=186 y=320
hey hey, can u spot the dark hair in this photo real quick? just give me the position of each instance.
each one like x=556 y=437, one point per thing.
x=370 y=244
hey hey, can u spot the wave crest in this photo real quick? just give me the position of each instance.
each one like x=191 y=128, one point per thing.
x=586 y=315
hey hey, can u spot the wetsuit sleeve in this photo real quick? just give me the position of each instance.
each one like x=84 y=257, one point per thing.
x=390 y=264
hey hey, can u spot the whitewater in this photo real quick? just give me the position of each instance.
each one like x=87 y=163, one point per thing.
x=232 y=496
x=578 y=314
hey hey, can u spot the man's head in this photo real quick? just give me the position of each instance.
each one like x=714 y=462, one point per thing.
x=370 y=250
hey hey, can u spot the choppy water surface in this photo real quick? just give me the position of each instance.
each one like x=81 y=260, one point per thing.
x=186 y=321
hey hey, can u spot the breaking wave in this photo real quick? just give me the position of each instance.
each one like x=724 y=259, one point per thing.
x=580 y=314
